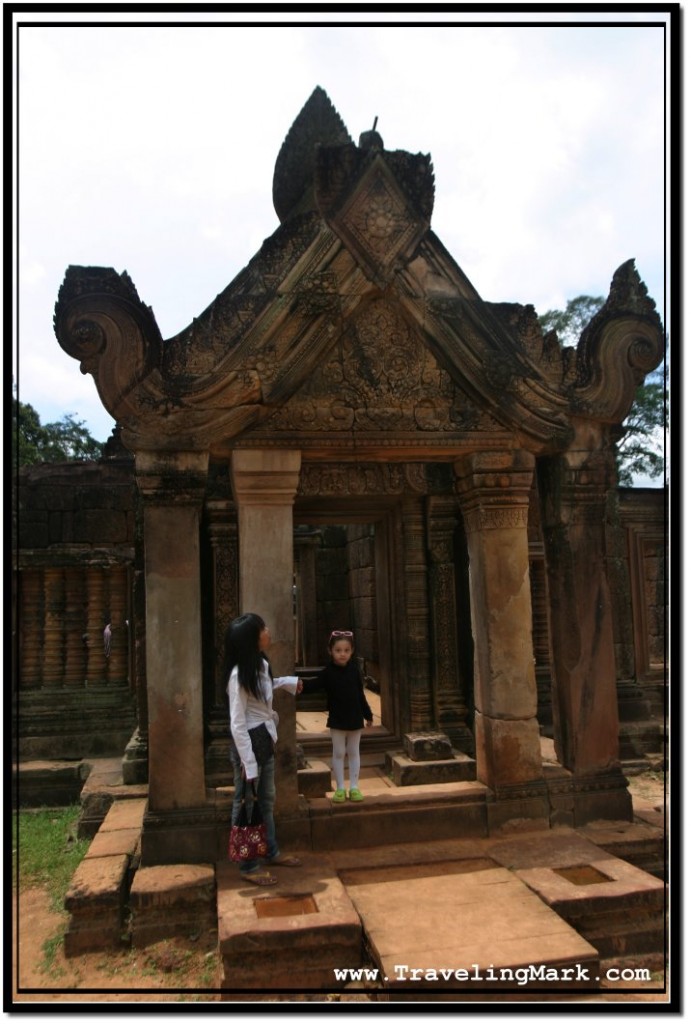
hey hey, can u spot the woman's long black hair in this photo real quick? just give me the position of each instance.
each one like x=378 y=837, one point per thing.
x=242 y=649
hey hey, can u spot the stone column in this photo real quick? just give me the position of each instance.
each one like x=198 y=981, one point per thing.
x=31 y=627
x=172 y=487
x=574 y=492
x=494 y=489
x=264 y=487
x=451 y=711
x=418 y=716
x=75 y=652
x=54 y=640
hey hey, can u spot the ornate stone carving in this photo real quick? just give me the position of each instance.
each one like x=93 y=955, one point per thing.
x=362 y=200
x=378 y=377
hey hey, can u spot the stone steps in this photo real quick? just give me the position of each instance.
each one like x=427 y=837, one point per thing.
x=405 y=815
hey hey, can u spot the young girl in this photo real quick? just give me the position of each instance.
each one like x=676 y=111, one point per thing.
x=347 y=706
x=250 y=691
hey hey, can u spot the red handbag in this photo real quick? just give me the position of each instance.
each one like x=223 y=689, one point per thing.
x=248 y=835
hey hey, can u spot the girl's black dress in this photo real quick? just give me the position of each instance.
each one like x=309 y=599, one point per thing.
x=345 y=695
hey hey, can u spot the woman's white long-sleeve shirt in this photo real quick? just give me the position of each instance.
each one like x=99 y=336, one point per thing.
x=246 y=712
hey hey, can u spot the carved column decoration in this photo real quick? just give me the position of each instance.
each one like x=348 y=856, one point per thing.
x=31 y=629
x=450 y=709
x=117 y=666
x=494 y=489
x=54 y=640
x=420 y=713
x=307 y=650
x=573 y=492
x=96 y=612
x=223 y=534
x=75 y=617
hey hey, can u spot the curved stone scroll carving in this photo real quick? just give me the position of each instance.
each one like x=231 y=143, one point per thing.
x=622 y=343
x=101 y=321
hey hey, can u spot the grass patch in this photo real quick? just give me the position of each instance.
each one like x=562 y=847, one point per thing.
x=47 y=849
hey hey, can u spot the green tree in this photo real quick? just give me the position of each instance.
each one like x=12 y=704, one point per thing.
x=640 y=446
x=35 y=442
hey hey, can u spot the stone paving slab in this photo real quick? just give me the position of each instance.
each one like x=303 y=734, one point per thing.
x=485 y=918
x=124 y=814
x=108 y=844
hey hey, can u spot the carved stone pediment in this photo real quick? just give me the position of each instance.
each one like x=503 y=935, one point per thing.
x=353 y=322
x=379 y=377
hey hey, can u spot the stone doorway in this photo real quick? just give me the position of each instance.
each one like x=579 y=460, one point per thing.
x=345 y=576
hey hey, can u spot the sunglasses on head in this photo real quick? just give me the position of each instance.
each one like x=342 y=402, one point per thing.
x=340 y=632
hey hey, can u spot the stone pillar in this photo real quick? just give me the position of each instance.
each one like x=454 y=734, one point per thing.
x=573 y=491
x=75 y=652
x=31 y=622
x=451 y=711
x=54 y=641
x=264 y=486
x=306 y=641
x=418 y=716
x=494 y=489
x=118 y=662
x=574 y=494
x=222 y=529
x=172 y=487
x=95 y=623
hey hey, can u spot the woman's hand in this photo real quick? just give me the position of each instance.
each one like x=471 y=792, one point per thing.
x=299 y=687
x=368 y=723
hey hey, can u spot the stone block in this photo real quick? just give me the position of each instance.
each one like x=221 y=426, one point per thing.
x=109 y=844
x=127 y=814
x=291 y=937
x=95 y=902
x=427 y=746
x=404 y=772
x=172 y=899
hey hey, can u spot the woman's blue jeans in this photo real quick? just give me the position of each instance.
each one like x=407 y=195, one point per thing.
x=266 y=796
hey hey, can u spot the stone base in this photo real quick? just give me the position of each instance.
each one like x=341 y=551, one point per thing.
x=95 y=901
x=290 y=937
x=191 y=835
x=172 y=900
x=427 y=746
x=405 y=772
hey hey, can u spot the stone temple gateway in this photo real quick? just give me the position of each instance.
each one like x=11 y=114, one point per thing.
x=351 y=382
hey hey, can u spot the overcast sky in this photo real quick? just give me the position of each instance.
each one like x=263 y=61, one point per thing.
x=152 y=150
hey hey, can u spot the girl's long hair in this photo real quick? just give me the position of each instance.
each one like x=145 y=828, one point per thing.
x=242 y=649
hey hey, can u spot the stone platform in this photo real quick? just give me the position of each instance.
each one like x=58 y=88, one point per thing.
x=290 y=936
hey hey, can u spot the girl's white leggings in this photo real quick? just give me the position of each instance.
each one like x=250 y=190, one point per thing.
x=346 y=741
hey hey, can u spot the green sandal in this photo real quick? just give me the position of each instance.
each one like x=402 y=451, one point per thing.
x=356 y=795
x=339 y=796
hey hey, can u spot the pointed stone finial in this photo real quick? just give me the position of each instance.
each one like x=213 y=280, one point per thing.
x=317 y=123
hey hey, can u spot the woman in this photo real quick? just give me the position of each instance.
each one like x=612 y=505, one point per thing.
x=250 y=691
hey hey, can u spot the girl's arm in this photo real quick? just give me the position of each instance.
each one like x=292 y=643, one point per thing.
x=312 y=685
x=290 y=683
x=238 y=726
